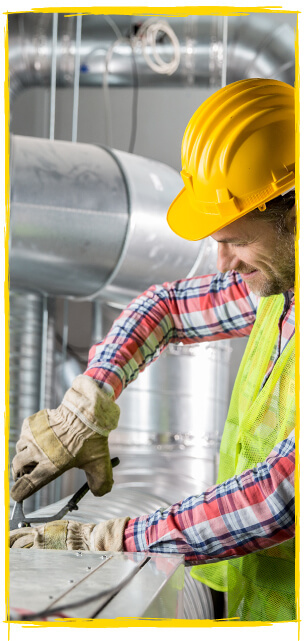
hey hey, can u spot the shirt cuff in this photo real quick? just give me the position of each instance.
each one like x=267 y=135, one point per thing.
x=135 y=535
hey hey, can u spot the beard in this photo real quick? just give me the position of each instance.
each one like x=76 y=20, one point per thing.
x=281 y=276
x=276 y=285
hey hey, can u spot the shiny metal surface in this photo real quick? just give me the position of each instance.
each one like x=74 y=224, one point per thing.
x=257 y=46
x=31 y=360
x=198 y=602
x=30 y=47
x=26 y=325
x=59 y=577
x=146 y=480
x=181 y=398
x=88 y=223
x=169 y=471
x=65 y=373
x=180 y=401
x=69 y=211
x=151 y=253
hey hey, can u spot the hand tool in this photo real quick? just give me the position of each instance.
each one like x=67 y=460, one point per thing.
x=19 y=519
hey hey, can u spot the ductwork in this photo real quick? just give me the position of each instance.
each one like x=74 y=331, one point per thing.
x=257 y=46
x=32 y=341
x=88 y=222
x=31 y=356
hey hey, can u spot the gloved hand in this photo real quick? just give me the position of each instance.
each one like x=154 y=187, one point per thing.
x=72 y=535
x=73 y=435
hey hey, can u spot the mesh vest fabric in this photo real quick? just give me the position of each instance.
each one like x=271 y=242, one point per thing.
x=260 y=585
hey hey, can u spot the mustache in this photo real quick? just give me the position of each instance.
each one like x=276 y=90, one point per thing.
x=245 y=269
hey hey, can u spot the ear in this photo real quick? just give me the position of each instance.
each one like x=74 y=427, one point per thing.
x=291 y=220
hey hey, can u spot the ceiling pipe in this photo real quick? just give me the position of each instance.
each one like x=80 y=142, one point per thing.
x=257 y=46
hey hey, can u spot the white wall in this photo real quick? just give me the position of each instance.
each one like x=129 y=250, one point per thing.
x=162 y=116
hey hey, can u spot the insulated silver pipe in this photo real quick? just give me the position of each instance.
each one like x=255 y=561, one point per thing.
x=90 y=223
x=179 y=403
x=69 y=214
x=31 y=359
x=257 y=46
x=65 y=373
x=28 y=357
x=30 y=47
x=181 y=400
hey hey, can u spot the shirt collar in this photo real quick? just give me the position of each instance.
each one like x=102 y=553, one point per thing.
x=289 y=297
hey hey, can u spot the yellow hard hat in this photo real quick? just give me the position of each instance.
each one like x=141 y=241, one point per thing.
x=238 y=152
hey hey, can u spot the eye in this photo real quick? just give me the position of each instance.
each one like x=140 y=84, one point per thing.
x=239 y=244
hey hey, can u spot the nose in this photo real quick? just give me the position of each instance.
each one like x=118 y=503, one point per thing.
x=226 y=257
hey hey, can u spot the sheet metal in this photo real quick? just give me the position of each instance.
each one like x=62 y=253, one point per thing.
x=138 y=491
x=44 y=579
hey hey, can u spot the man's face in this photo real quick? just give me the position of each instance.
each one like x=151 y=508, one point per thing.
x=263 y=255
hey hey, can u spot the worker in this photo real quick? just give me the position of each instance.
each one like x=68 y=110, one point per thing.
x=238 y=168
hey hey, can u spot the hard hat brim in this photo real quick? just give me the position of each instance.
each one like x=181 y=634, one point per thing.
x=191 y=224
x=188 y=222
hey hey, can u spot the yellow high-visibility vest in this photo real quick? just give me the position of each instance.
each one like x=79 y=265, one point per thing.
x=261 y=585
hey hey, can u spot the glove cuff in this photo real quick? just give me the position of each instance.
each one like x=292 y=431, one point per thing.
x=109 y=535
x=92 y=405
x=105 y=536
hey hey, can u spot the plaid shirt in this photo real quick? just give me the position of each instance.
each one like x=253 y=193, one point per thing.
x=250 y=511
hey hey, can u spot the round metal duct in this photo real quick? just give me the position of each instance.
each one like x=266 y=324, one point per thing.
x=181 y=398
x=69 y=214
x=258 y=45
x=29 y=357
x=88 y=222
x=32 y=339
x=31 y=44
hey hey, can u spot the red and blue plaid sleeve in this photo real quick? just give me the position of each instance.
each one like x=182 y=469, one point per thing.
x=204 y=308
x=249 y=512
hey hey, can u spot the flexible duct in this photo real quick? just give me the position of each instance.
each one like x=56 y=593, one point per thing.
x=88 y=222
x=257 y=46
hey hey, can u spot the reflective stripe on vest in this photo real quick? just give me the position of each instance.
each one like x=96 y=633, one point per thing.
x=261 y=585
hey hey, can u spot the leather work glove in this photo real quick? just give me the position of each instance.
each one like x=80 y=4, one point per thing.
x=73 y=435
x=72 y=535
